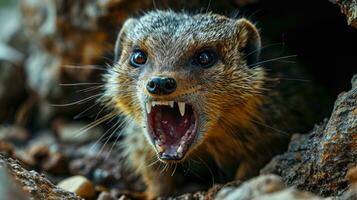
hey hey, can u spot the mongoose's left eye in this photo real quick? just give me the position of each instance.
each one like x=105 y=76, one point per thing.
x=138 y=58
x=205 y=58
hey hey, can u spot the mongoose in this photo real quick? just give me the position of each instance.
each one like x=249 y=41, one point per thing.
x=197 y=102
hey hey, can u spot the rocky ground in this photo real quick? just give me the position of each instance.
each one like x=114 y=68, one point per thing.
x=45 y=154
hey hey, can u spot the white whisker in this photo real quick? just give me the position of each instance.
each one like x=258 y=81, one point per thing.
x=76 y=102
x=270 y=60
x=91 y=88
x=77 y=84
x=86 y=110
x=94 y=124
x=85 y=67
x=116 y=139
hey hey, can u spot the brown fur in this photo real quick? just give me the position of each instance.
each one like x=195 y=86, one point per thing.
x=241 y=111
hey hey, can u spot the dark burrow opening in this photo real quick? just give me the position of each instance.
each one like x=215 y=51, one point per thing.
x=317 y=32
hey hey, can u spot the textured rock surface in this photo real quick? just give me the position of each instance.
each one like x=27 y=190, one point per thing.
x=35 y=184
x=9 y=190
x=349 y=8
x=263 y=187
x=318 y=161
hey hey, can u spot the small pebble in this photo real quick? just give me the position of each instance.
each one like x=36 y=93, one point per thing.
x=79 y=185
x=38 y=153
x=352 y=175
x=123 y=197
x=14 y=134
x=56 y=164
x=105 y=196
x=6 y=148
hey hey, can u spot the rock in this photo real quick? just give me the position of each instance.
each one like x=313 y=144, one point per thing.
x=212 y=192
x=38 y=153
x=9 y=190
x=318 y=161
x=115 y=194
x=61 y=29
x=188 y=196
x=14 y=134
x=56 y=164
x=42 y=153
x=105 y=196
x=349 y=8
x=252 y=188
x=78 y=185
x=264 y=187
x=348 y=195
x=105 y=168
x=7 y=148
x=36 y=185
x=351 y=193
x=291 y=194
x=123 y=197
x=352 y=176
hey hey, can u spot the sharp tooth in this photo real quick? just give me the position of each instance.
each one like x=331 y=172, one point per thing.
x=171 y=104
x=182 y=108
x=153 y=103
x=148 y=107
x=180 y=149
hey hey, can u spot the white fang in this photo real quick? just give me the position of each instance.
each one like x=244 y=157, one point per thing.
x=148 y=107
x=181 y=106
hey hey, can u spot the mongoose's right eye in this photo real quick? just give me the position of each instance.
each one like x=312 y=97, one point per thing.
x=205 y=58
x=138 y=58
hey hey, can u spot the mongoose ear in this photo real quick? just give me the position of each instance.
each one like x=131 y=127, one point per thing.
x=129 y=23
x=249 y=41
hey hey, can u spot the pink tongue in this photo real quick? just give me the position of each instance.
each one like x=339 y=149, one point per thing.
x=173 y=125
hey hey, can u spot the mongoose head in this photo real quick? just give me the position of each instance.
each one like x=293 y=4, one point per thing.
x=183 y=77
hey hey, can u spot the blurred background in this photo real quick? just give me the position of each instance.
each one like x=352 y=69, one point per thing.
x=53 y=53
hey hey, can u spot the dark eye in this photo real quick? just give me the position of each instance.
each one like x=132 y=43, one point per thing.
x=205 y=58
x=138 y=58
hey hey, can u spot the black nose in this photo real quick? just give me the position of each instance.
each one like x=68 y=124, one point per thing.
x=161 y=85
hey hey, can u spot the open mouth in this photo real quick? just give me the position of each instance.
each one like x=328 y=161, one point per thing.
x=172 y=126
